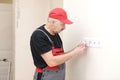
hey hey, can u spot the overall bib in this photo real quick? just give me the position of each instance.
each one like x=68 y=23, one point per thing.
x=56 y=72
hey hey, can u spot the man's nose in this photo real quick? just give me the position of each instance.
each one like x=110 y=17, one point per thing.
x=63 y=27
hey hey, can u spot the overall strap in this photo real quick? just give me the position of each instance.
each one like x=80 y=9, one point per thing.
x=48 y=68
x=46 y=35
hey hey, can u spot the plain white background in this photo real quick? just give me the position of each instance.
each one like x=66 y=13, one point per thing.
x=94 y=19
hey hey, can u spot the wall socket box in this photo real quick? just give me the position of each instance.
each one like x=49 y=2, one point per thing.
x=92 y=42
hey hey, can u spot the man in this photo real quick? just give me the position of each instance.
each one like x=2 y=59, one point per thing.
x=47 y=49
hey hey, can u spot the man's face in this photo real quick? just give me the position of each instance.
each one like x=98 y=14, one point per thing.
x=58 y=26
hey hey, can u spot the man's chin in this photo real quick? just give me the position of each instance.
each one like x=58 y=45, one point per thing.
x=60 y=31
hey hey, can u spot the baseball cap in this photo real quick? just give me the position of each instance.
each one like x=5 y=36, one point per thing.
x=60 y=14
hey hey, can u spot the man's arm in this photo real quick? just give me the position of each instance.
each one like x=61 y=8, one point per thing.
x=57 y=60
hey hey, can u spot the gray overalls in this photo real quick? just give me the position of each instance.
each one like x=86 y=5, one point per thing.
x=53 y=73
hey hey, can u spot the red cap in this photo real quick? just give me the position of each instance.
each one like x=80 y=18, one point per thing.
x=60 y=14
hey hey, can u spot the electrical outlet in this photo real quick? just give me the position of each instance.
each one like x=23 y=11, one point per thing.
x=92 y=42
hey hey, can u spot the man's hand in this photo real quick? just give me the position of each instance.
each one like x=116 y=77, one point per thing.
x=80 y=48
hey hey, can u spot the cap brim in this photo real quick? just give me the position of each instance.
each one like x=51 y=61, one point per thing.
x=67 y=21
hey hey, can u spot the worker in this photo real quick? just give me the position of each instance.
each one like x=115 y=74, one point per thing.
x=47 y=48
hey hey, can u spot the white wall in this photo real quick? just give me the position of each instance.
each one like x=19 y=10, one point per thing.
x=29 y=14
x=6 y=37
x=97 y=19
x=5 y=31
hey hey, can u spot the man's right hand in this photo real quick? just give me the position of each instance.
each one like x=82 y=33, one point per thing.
x=79 y=49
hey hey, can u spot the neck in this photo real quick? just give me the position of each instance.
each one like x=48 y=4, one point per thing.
x=49 y=29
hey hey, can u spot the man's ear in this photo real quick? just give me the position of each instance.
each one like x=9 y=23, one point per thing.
x=53 y=22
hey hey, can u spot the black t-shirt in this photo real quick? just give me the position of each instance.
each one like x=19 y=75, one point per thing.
x=40 y=44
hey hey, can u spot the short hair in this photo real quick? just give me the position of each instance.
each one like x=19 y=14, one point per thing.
x=52 y=19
